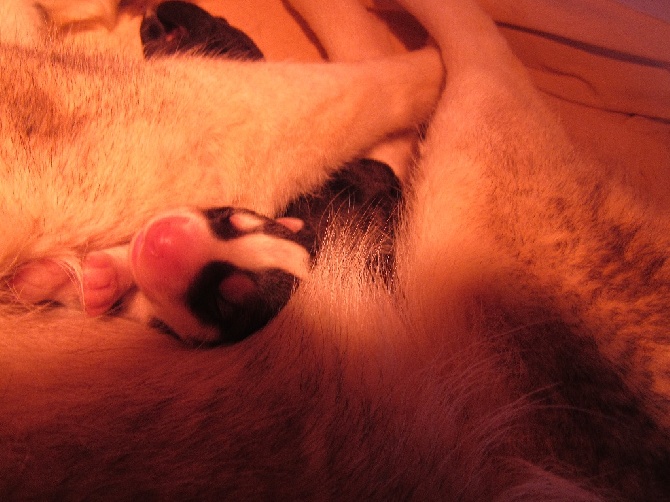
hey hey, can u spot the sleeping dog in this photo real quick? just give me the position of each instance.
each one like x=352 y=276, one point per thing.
x=219 y=275
x=519 y=351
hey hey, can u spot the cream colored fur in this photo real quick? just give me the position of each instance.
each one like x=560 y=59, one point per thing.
x=519 y=355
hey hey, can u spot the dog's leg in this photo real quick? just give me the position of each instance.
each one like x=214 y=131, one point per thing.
x=525 y=215
x=348 y=32
x=239 y=124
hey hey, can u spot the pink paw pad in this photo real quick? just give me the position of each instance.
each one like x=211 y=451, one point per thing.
x=106 y=279
x=43 y=280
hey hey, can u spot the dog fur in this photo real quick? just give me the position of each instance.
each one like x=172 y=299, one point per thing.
x=520 y=354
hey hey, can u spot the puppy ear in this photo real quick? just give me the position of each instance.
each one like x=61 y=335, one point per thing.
x=295 y=225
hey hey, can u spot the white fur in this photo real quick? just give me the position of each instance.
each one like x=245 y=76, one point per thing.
x=525 y=317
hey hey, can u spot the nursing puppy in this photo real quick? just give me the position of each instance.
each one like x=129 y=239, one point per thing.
x=519 y=355
x=218 y=275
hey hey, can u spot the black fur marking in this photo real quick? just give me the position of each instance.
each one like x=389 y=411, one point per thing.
x=179 y=26
x=220 y=224
x=236 y=321
x=585 y=397
x=365 y=191
x=218 y=219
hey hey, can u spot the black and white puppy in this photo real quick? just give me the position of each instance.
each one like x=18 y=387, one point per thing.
x=217 y=275
x=180 y=27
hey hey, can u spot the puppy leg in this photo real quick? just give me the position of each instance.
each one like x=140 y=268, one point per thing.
x=46 y=280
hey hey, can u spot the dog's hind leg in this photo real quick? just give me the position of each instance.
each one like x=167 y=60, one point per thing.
x=527 y=218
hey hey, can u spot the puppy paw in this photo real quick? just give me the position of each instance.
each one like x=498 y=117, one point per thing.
x=45 y=280
x=106 y=279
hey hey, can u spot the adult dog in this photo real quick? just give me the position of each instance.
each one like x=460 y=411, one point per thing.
x=519 y=354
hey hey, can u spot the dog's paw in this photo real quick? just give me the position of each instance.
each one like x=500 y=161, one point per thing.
x=45 y=280
x=106 y=278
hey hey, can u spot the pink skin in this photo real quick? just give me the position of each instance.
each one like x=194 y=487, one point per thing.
x=169 y=252
x=44 y=280
x=162 y=259
x=106 y=278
